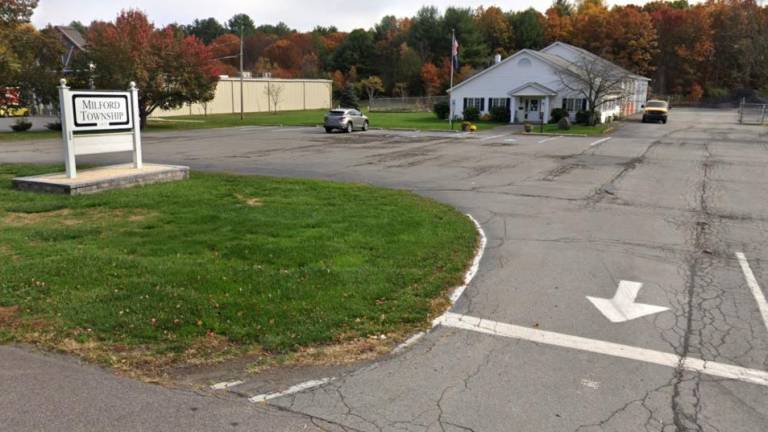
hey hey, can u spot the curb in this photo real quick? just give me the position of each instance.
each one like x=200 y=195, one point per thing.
x=456 y=292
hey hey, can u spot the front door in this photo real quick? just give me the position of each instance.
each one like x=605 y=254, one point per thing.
x=532 y=109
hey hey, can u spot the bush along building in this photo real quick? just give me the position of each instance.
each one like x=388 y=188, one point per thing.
x=531 y=84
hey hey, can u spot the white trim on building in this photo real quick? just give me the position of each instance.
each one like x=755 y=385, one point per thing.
x=529 y=83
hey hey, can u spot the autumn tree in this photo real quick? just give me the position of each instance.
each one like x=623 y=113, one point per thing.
x=290 y=51
x=169 y=69
x=371 y=85
x=14 y=12
x=631 y=39
x=740 y=39
x=254 y=48
x=685 y=48
x=591 y=24
x=225 y=52
x=563 y=8
x=495 y=28
x=430 y=78
x=559 y=23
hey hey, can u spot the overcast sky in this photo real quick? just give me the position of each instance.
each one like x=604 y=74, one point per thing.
x=299 y=14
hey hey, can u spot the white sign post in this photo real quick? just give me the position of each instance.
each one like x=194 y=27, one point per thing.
x=94 y=122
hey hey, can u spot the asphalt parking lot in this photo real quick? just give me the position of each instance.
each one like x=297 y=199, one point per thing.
x=681 y=209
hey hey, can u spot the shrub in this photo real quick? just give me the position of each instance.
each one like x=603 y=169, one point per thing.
x=442 y=110
x=21 y=125
x=528 y=127
x=500 y=114
x=583 y=117
x=54 y=126
x=471 y=114
x=564 y=123
x=486 y=117
x=557 y=114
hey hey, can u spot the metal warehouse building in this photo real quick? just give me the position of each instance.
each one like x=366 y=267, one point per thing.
x=294 y=94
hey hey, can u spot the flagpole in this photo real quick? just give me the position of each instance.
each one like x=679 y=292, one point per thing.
x=450 y=97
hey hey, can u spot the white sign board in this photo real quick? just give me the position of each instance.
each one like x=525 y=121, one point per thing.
x=101 y=111
x=94 y=122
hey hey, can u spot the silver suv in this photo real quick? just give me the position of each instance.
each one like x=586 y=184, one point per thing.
x=345 y=119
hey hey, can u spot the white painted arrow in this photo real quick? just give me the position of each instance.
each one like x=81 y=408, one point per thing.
x=622 y=306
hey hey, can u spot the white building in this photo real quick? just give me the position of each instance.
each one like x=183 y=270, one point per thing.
x=532 y=83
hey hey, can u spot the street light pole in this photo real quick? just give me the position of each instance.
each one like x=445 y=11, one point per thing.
x=241 y=72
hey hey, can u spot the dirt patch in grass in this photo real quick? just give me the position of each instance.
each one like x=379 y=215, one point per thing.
x=250 y=201
x=342 y=353
x=67 y=217
x=20 y=219
x=8 y=314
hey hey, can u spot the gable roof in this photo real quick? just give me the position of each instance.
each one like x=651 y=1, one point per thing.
x=72 y=36
x=538 y=89
x=555 y=61
x=593 y=57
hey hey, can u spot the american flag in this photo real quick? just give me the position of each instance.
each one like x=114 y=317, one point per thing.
x=455 y=53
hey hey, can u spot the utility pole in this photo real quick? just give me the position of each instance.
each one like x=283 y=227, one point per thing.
x=242 y=105
x=450 y=99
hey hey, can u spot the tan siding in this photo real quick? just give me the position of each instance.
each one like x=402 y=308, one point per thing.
x=296 y=95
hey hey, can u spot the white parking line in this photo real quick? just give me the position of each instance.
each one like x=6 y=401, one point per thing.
x=295 y=389
x=494 y=328
x=762 y=304
x=600 y=141
x=225 y=385
x=549 y=139
x=410 y=341
x=491 y=137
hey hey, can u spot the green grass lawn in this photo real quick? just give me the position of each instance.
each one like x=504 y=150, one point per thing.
x=28 y=135
x=576 y=129
x=253 y=263
x=387 y=120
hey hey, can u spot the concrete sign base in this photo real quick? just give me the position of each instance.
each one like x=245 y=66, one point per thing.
x=102 y=178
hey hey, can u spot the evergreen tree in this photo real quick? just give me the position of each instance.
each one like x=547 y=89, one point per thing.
x=348 y=97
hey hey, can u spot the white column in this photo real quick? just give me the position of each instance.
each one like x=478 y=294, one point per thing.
x=544 y=106
x=66 y=113
x=512 y=109
x=137 y=161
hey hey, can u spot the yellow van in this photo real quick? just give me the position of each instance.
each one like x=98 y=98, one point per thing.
x=655 y=111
